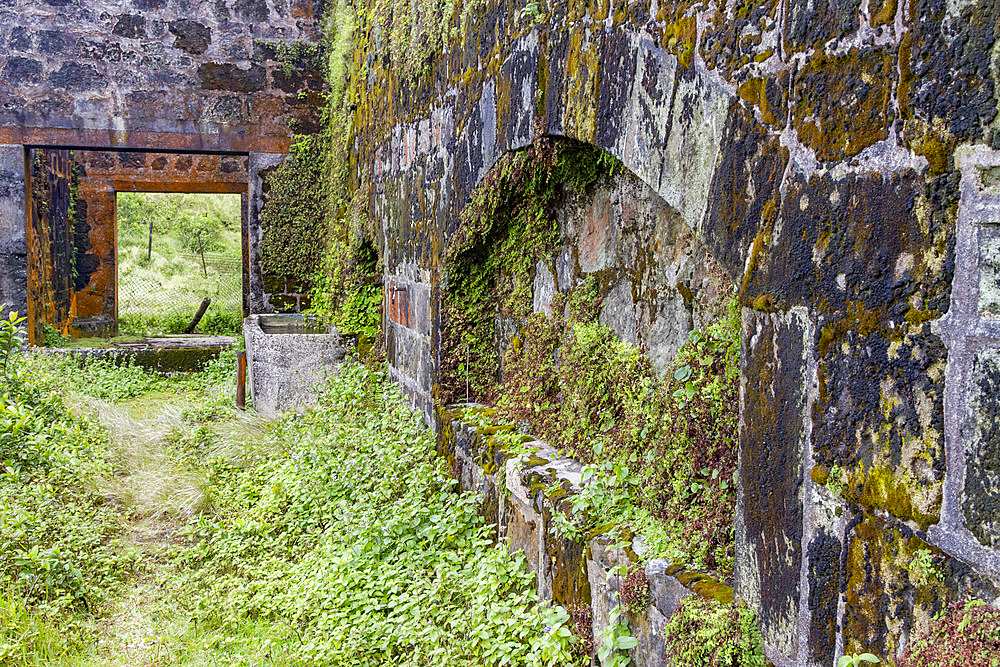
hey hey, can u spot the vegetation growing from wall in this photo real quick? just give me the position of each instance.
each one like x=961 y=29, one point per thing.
x=705 y=633
x=505 y=229
x=314 y=221
x=659 y=453
x=294 y=216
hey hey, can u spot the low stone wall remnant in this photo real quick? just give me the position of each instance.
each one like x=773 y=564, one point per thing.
x=568 y=573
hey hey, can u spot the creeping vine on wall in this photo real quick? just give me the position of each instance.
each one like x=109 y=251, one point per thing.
x=597 y=398
x=571 y=381
x=294 y=216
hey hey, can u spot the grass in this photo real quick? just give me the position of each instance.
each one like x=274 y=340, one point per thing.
x=223 y=539
x=159 y=291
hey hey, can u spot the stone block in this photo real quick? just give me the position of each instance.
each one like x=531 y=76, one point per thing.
x=619 y=313
x=543 y=290
x=888 y=598
x=841 y=103
x=772 y=438
x=419 y=308
x=190 y=36
x=19 y=70
x=286 y=370
x=230 y=77
x=981 y=494
x=130 y=26
x=72 y=76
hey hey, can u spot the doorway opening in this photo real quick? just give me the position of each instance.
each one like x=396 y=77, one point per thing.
x=179 y=259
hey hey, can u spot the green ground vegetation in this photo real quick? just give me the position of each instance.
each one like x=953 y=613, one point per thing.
x=152 y=523
x=160 y=292
x=968 y=633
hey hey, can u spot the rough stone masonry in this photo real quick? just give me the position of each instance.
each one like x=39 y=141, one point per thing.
x=839 y=159
x=215 y=88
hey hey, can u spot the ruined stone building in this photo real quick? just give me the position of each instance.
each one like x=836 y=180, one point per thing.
x=838 y=161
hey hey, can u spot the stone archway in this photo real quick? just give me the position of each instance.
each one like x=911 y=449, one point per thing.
x=840 y=230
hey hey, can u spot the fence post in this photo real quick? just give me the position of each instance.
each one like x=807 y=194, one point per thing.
x=149 y=251
x=197 y=316
x=201 y=249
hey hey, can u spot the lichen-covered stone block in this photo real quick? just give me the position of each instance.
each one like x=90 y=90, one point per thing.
x=989 y=270
x=981 y=495
x=772 y=437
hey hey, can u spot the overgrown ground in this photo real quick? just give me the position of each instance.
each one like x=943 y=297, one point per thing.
x=150 y=523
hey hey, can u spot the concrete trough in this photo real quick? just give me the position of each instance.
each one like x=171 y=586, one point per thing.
x=167 y=354
x=288 y=357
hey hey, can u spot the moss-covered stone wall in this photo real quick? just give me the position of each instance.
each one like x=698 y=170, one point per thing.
x=824 y=154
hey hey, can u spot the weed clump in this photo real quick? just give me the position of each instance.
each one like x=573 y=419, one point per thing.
x=968 y=633
x=635 y=591
x=705 y=633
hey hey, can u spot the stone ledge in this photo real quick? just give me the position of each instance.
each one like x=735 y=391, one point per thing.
x=174 y=354
x=566 y=572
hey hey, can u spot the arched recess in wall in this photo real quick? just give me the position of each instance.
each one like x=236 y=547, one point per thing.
x=569 y=286
x=558 y=221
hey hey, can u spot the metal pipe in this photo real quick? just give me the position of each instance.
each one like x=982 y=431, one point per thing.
x=241 y=380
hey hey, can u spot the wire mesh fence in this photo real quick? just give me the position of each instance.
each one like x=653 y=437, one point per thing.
x=162 y=297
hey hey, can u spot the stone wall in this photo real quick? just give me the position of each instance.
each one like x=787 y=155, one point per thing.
x=657 y=280
x=158 y=74
x=827 y=158
x=232 y=77
x=517 y=506
x=13 y=246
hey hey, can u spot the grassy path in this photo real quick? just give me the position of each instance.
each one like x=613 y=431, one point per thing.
x=135 y=632
x=163 y=481
x=210 y=537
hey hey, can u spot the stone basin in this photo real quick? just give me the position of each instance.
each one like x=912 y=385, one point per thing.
x=161 y=354
x=288 y=358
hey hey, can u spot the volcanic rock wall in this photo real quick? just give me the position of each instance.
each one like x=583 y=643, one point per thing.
x=838 y=161
x=229 y=76
x=158 y=74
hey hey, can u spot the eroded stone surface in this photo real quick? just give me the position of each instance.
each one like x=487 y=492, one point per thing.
x=981 y=497
x=286 y=369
